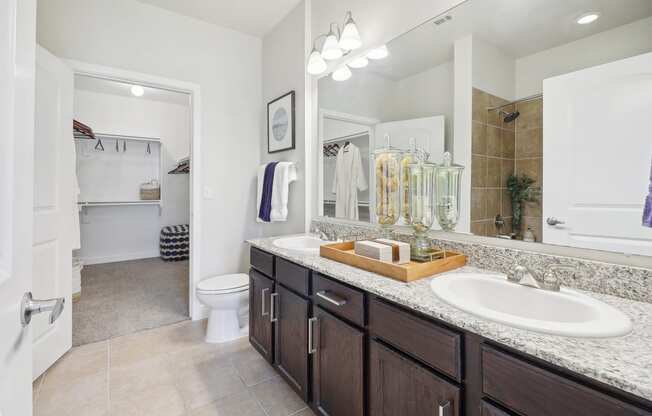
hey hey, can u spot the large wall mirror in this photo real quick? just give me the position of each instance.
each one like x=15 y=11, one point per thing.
x=546 y=103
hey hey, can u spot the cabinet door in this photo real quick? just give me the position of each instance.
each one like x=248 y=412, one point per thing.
x=338 y=366
x=400 y=387
x=260 y=325
x=291 y=335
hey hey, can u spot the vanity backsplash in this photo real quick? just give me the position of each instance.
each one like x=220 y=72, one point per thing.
x=627 y=282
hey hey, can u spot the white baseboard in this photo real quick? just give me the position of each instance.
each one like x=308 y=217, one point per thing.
x=120 y=257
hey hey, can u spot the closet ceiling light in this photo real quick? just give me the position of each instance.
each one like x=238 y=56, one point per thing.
x=341 y=74
x=378 y=53
x=316 y=64
x=587 y=18
x=331 y=49
x=137 y=90
x=359 y=62
x=350 y=38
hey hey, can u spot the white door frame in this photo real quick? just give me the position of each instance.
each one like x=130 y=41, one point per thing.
x=340 y=116
x=153 y=81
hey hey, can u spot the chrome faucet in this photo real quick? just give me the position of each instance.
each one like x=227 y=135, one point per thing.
x=324 y=235
x=548 y=280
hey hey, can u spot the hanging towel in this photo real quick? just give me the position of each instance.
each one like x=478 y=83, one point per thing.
x=286 y=173
x=647 y=210
x=265 y=191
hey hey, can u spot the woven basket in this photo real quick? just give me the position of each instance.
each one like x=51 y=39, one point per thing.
x=152 y=194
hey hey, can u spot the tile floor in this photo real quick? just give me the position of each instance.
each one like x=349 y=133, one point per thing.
x=167 y=371
x=129 y=296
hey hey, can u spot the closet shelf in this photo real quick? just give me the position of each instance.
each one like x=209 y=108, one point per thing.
x=105 y=136
x=118 y=203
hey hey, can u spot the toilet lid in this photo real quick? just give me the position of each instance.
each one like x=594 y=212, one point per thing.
x=224 y=283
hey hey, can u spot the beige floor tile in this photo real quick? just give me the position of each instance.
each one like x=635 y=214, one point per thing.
x=305 y=412
x=86 y=396
x=252 y=367
x=127 y=380
x=154 y=400
x=79 y=362
x=277 y=398
x=241 y=404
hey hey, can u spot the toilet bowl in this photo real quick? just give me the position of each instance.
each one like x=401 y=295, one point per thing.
x=226 y=296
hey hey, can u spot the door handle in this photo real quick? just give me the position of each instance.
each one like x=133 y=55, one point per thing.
x=311 y=329
x=272 y=307
x=331 y=298
x=262 y=306
x=552 y=221
x=444 y=408
x=30 y=306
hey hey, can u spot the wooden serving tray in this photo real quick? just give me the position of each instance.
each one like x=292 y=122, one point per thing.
x=344 y=253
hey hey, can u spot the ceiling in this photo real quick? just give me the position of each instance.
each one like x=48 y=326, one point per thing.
x=123 y=89
x=254 y=17
x=519 y=28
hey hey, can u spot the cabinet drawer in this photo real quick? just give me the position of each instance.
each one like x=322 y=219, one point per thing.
x=491 y=410
x=424 y=340
x=261 y=261
x=293 y=276
x=534 y=391
x=339 y=299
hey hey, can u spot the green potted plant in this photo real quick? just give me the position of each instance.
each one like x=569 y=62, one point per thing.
x=521 y=189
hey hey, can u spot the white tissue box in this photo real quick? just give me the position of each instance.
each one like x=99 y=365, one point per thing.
x=400 y=250
x=374 y=250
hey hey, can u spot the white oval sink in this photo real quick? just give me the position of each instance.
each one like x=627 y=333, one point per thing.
x=301 y=243
x=567 y=312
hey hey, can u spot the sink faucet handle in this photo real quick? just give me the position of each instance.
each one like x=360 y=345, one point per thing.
x=551 y=280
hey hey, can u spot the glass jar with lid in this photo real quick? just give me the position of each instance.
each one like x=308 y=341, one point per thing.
x=387 y=164
x=421 y=205
x=447 y=194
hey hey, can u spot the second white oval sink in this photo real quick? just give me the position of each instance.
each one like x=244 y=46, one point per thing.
x=300 y=243
x=567 y=312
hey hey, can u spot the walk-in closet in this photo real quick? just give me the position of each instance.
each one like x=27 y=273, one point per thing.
x=130 y=266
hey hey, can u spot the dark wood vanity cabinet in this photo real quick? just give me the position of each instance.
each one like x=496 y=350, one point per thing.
x=398 y=386
x=350 y=353
x=338 y=366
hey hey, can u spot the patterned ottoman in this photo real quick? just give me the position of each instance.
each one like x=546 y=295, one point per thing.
x=175 y=242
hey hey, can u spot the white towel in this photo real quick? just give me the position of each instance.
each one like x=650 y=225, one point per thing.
x=284 y=175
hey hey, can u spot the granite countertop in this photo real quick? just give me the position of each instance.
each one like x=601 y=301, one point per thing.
x=624 y=362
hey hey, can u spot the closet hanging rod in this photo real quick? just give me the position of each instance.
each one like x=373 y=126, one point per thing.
x=349 y=137
x=103 y=136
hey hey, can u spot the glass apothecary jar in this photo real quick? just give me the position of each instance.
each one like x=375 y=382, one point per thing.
x=387 y=163
x=409 y=157
x=421 y=211
x=447 y=193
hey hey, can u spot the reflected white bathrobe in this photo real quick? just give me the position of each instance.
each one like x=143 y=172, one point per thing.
x=349 y=179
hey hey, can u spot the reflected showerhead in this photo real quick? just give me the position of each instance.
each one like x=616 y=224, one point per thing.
x=509 y=117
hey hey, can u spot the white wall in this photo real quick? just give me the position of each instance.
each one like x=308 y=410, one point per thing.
x=284 y=71
x=225 y=64
x=126 y=232
x=493 y=70
x=365 y=94
x=615 y=44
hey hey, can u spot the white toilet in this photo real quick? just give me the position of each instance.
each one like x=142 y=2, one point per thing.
x=226 y=296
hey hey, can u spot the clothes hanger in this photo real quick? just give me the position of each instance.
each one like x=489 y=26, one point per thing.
x=100 y=145
x=124 y=145
x=149 y=149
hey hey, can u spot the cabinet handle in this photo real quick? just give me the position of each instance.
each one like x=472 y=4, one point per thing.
x=262 y=306
x=444 y=408
x=331 y=298
x=272 y=307
x=311 y=329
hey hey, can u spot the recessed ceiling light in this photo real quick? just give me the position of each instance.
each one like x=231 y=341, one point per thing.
x=137 y=90
x=587 y=18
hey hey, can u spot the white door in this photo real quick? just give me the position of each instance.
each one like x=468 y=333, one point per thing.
x=53 y=169
x=17 y=41
x=597 y=150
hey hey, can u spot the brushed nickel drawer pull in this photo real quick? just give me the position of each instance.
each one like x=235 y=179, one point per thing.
x=311 y=348
x=272 y=307
x=444 y=408
x=331 y=298
x=262 y=306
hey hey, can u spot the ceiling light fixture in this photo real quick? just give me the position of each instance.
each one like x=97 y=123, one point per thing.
x=342 y=73
x=336 y=44
x=588 y=18
x=359 y=62
x=379 y=53
x=137 y=90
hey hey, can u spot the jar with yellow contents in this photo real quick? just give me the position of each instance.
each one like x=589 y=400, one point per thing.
x=387 y=163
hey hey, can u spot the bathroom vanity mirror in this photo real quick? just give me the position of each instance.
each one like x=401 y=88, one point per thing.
x=546 y=103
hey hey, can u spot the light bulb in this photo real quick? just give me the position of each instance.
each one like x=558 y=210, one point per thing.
x=137 y=90
x=587 y=18
x=342 y=73
x=331 y=49
x=350 y=38
x=378 y=53
x=316 y=64
x=359 y=62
